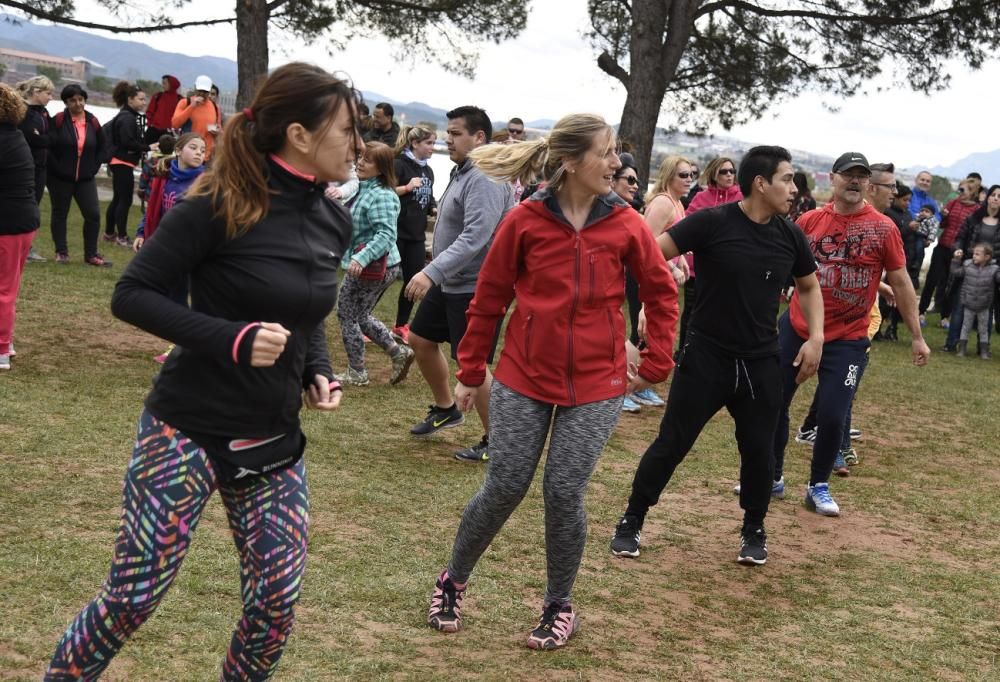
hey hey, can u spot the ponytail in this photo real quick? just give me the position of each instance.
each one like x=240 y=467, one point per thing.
x=408 y=135
x=571 y=138
x=237 y=180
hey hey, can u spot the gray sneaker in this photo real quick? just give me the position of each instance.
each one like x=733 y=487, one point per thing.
x=4 y=362
x=474 y=453
x=353 y=377
x=35 y=257
x=401 y=362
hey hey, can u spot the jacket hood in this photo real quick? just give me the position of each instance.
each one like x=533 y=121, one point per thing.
x=173 y=85
x=543 y=202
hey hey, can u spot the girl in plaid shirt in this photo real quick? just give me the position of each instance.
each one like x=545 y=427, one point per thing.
x=373 y=267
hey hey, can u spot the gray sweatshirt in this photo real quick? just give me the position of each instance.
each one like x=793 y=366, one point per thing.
x=979 y=280
x=468 y=213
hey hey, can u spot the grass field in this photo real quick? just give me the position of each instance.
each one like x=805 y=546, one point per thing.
x=903 y=586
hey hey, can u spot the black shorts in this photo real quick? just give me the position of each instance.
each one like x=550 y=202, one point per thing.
x=440 y=318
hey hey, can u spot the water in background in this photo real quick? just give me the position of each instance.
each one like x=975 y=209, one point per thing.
x=440 y=163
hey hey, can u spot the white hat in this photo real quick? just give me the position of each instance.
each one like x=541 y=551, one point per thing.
x=202 y=83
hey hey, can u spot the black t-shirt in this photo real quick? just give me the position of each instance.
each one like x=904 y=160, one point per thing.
x=742 y=267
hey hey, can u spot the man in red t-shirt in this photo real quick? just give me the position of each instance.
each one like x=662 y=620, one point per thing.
x=852 y=243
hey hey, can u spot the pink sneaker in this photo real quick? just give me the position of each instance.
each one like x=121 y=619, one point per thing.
x=162 y=357
x=445 y=613
x=402 y=334
x=555 y=627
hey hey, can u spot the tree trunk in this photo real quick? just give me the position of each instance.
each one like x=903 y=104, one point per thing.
x=251 y=48
x=660 y=31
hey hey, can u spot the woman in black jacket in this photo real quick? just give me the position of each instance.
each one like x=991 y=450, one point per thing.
x=37 y=91
x=18 y=211
x=262 y=247
x=415 y=188
x=128 y=149
x=74 y=159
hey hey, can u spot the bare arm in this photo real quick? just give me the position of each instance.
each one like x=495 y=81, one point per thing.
x=659 y=214
x=667 y=246
x=811 y=303
x=906 y=304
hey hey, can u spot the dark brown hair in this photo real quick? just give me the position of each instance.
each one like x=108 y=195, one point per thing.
x=123 y=92
x=237 y=180
x=383 y=158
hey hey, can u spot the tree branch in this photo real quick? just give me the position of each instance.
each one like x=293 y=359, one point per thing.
x=608 y=65
x=69 y=21
x=874 y=20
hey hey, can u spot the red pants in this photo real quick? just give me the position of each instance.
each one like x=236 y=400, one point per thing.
x=13 y=251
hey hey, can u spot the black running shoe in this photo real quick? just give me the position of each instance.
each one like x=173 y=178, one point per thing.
x=753 y=550
x=627 y=537
x=438 y=418
x=475 y=453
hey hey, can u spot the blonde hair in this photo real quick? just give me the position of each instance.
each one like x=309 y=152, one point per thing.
x=668 y=169
x=571 y=138
x=410 y=134
x=29 y=87
x=163 y=165
x=12 y=106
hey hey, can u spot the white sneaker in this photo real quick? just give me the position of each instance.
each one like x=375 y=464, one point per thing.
x=4 y=362
x=818 y=499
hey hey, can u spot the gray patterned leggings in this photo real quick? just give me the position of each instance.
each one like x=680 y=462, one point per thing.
x=518 y=427
x=354 y=310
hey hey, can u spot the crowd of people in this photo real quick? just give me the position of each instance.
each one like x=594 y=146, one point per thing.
x=550 y=233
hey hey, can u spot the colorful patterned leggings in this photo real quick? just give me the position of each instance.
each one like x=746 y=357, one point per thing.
x=167 y=485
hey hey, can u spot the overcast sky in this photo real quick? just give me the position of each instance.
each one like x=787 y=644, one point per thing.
x=551 y=70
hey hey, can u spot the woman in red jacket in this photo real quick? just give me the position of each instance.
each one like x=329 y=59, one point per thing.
x=563 y=369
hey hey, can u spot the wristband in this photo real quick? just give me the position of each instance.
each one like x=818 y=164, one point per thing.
x=335 y=386
x=239 y=339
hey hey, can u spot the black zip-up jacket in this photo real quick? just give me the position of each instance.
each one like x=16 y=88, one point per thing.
x=36 y=126
x=414 y=206
x=18 y=208
x=127 y=138
x=283 y=270
x=970 y=235
x=64 y=162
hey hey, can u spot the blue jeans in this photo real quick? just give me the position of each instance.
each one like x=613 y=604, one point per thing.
x=838 y=375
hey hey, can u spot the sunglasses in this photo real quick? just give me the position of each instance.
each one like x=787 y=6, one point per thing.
x=727 y=171
x=515 y=131
x=685 y=176
x=630 y=179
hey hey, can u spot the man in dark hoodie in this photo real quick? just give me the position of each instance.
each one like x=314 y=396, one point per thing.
x=161 y=109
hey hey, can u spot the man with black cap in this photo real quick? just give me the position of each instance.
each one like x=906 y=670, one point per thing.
x=853 y=243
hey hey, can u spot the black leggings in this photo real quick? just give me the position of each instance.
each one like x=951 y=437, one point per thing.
x=84 y=192
x=123 y=184
x=413 y=255
x=634 y=306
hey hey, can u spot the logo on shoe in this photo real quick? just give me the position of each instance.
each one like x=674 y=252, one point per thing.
x=437 y=424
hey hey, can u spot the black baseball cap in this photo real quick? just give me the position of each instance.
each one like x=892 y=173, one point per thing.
x=850 y=160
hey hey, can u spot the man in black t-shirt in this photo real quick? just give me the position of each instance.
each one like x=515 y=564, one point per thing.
x=744 y=253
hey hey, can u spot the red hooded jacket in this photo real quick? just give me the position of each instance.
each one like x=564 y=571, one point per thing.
x=565 y=341
x=161 y=107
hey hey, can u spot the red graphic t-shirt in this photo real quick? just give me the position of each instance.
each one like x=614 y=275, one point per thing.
x=850 y=251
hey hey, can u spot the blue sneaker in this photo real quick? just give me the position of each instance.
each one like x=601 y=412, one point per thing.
x=630 y=405
x=647 y=396
x=818 y=499
x=777 y=489
x=840 y=465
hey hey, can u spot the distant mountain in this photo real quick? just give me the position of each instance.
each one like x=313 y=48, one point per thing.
x=122 y=58
x=986 y=164
x=541 y=124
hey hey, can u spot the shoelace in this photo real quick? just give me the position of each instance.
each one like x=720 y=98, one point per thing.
x=549 y=615
x=626 y=529
x=822 y=494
